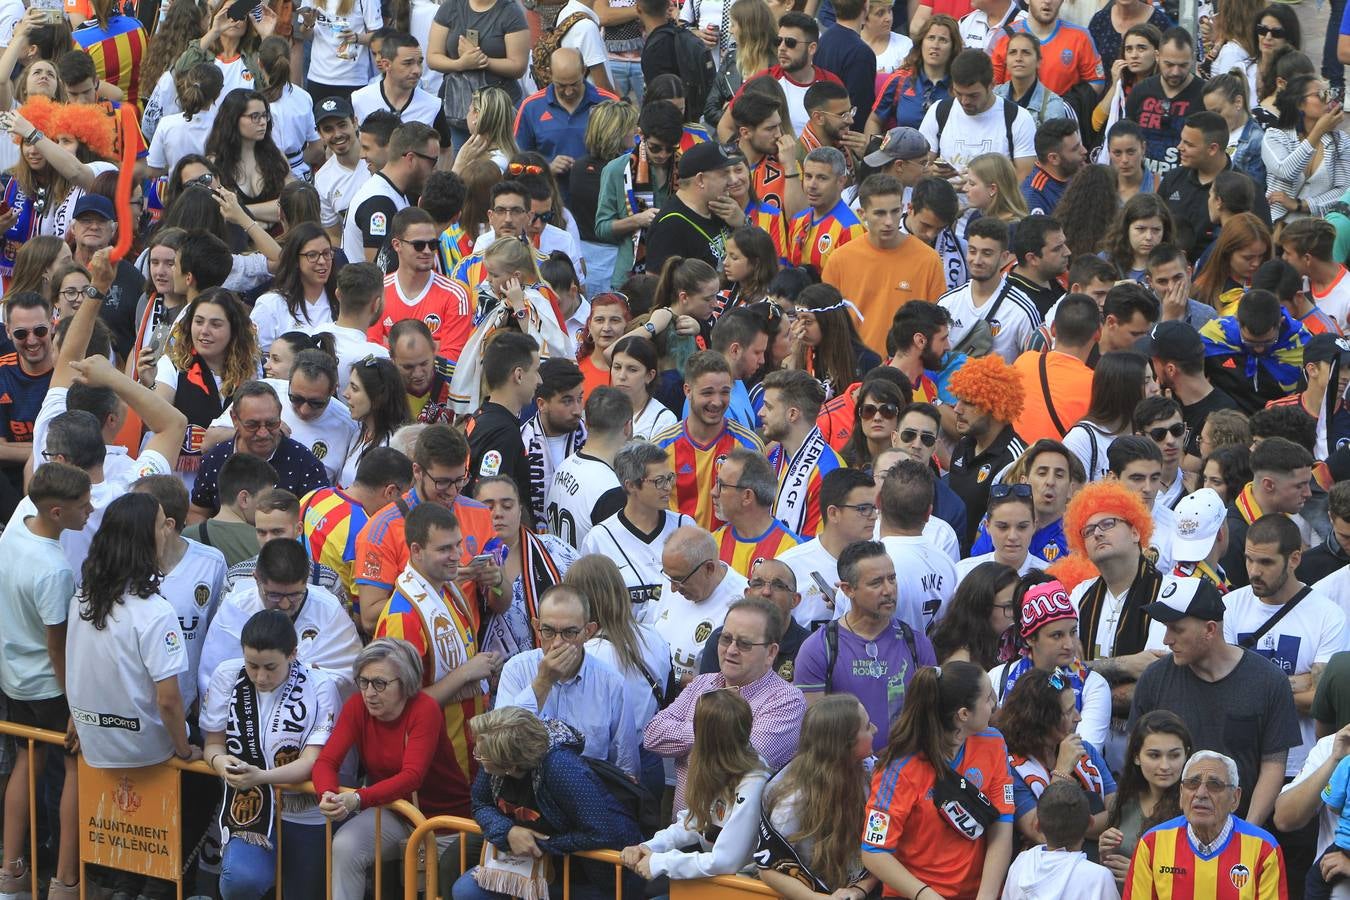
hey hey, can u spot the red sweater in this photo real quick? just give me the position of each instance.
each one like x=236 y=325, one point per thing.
x=410 y=754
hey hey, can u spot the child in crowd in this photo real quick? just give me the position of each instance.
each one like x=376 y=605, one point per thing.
x=1046 y=871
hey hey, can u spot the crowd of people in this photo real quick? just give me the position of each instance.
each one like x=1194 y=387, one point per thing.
x=883 y=450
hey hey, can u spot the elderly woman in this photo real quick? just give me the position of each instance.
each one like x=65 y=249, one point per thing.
x=399 y=735
x=535 y=796
x=265 y=717
x=1207 y=840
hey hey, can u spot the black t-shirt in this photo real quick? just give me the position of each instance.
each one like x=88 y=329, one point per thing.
x=1161 y=118
x=1043 y=297
x=973 y=474
x=1189 y=201
x=679 y=231
x=583 y=183
x=495 y=447
x=118 y=312
x=1195 y=414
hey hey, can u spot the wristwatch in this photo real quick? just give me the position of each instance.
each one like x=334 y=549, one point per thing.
x=93 y=293
x=34 y=136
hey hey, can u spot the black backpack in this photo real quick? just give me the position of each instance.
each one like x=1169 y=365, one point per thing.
x=944 y=111
x=633 y=797
x=698 y=71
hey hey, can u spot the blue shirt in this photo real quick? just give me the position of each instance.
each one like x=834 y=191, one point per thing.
x=544 y=126
x=843 y=52
x=906 y=97
x=298 y=471
x=592 y=702
x=1049 y=542
x=20 y=399
x=1042 y=191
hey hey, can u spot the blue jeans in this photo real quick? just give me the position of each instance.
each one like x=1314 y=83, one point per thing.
x=1333 y=70
x=248 y=871
x=627 y=77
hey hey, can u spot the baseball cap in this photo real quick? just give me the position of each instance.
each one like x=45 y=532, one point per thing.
x=1174 y=341
x=708 y=156
x=332 y=108
x=1199 y=516
x=95 y=203
x=1183 y=597
x=1325 y=347
x=899 y=143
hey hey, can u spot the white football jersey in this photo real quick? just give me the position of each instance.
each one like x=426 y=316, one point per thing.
x=571 y=503
x=686 y=626
x=194 y=589
x=637 y=555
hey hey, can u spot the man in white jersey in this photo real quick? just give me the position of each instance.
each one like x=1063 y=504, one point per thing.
x=925 y=576
x=414 y=150
x=584 y=489
x=633 y=537
x=848 y=513
x=328 y=639
x=276 y=515
x=400 y=62
x=975 y=121
x=360 y=296
x=338 y=179
x=699 y=590
x=989 y=302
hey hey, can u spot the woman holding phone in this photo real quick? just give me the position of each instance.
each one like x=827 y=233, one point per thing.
x=478 y=44
x=340 y=61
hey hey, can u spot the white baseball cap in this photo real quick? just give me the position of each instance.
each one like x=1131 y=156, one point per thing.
x=1199 y=516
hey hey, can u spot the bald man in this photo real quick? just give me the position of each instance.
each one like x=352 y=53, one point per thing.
x=553 y=121
x=697 y=591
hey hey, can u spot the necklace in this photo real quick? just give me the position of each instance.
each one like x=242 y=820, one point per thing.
x=870 y=646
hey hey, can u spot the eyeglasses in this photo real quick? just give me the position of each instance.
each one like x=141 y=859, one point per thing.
x=866 y=510
x=255 y=425
x=548 y=633
x=431 y=159
x=999 y=491
x=419 y=246
x=656 y=148
x=692 y=572
x=510 y=210
x=51 y=455
x=1176 y=430
x=1101 y=527
x=1268 y=31
x=72 y=293
x=21 y=334
x=909 y=435
x=788 y=42
x=376 y=684
x=313 y=256
x=287 y=599
x=887 y=410
x=448 y=484
x=1212 y=785
x=1009 y=608
x=523 y=168
x=1324 y=95
x=776 y=584
x=725 y=641
x=846 y=114
x=661 y=481
x=257 y=118
x=311 y=402
x=721 y=485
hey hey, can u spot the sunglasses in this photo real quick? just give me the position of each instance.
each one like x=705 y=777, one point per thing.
x=887 y=410
x=420 y=246
x=1268 y=31
x=908 y=436
x=789 y=42
x=999 y=491
x=21 y=334
x=524 y=169
x=1176 y=430
x=1060 y=679
x=312 y=402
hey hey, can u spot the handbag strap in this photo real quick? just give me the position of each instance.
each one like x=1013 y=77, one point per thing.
x=1250 y=640
x=1049 y=403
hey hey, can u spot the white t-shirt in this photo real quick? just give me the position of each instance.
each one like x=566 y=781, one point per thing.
x=351 y=347
x=177 y=137
x=330 y=437
x=372 y=224
x=1309 y=633
x=325 y=66
x=33 y=596
x=578 y=483
x=111 y=678
x=1012 y=324
x=655 y=417
x=293 y=127
x=925 y=578
x=1089 y=443
x=336 y=184
x=637 y=555
x=1232 y=56
x=817 y=605
x=584 y=37
x=1102 y=643
x=272 y=318
x=896 y=50
x=552 y=238
x=686 y=625
x=796 y=99
x=976 y=28
x=421 y=106
x=967 y=137
x=193 y=589
x=11 y=11
x=1335 y=302
x=1326 y=817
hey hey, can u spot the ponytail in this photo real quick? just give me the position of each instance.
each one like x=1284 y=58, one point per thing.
x=274 y=58
x=680 y=274
x=198 y=88
x=934 y=696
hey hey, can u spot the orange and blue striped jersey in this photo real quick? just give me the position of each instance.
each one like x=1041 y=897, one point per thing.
x=811 y=240
x=696 y=466
x=116 y=51
x=742 y=553
x=771 y=219
x=456 y=244
x=1248 y=865
x=331 y=521
x=1318 y=322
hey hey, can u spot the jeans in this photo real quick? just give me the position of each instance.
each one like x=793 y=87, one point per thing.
x=627 y=77
x=1332 y=68
x=248 y=871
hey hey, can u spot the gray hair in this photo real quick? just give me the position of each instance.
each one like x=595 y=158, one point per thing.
x=1202 y=755
x=830 y=157
x=253 y=389
x=756 y=475
x=692 y=545
x=632 y=460
x=405 y=439
x=399 y=654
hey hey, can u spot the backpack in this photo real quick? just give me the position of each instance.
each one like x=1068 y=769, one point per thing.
x=541 y=57
x=832 y=648
x=696 y=67
x=944 y=111
x=633 y=797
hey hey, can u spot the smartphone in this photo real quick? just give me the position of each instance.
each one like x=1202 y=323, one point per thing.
x=482 y=558
x=471 y=35
x=824 y=587
x=239 y=10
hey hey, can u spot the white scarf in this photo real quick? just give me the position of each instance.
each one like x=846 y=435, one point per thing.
x=466 y=389
x=541 y=464
x=794 y=481
x=447 y=625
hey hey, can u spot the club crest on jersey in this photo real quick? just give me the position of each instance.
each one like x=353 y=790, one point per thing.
x=1239 y=875
x=201 y=595
x=702 y=631
x=433 y=322
x=995 y=326
x=309 y=634
x=983 y=474
x=824 y=243
x=1066 y=56
x=320 y=449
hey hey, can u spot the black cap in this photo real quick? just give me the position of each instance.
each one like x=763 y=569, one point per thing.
x=1325 y=347
x=332 y=108
x=1187 y=597
x=708 y=156
x=1174 y=341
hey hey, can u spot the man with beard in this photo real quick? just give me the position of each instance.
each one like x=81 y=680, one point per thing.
x=345 y=171
x=988 y=397
x=848 y=513
x=988 y=297
x=792 y=400
x=830 y=121
x=1054 y=474
x=414 y=149
x=418 y=291
x=554 y=432
x=1160 y=104
x=827 y=223
x=1041 y=255
x=975 y=120
x=1281 y=474
x=1059 y=155
x=769 y=150
x=796 y=72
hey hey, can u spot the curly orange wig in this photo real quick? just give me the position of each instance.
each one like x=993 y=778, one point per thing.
x=1072 y=570
x=90 y=125
x=1105 y=497
x=991 y=384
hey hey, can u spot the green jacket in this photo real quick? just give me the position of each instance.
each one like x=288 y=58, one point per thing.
x=194 y=54
x=613 y=205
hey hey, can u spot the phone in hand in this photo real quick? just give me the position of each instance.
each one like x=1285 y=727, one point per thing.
x=483 y=559
x=471 y=35
x=240 y=9
x=234 y=770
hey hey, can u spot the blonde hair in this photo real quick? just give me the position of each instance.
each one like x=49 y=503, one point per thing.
x=510 y=737
x=610 y=129
x=517 y=255
x=496 y=119
x=992 y=168
x=757 y=28
x=722 y=755
x=597 y=578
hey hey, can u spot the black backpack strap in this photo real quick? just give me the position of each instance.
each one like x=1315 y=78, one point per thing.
x=1009 y=117
x=1002 y=686
x=944 y=112
x=1250 y=640
x=831 y=652
x=1050 y=403
x=203 y=535
x=907 y=634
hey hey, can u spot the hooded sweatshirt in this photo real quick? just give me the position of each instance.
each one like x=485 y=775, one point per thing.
x=1041 y=874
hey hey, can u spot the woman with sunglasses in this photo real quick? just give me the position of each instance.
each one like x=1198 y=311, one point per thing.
x=1279 y=37
x=978 y=624
x=875 y=421
x=378 y=403
x=604 y=327
x=491 y=132
x=1047 y=641
x=1307 y=155
x=633 y=370
x=304 y=292
x=839 y=360
x=1038 y=720
x=248 y=161
x=1010 y=523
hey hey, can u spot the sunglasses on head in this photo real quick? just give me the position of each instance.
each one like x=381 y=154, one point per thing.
x=1269 y=31
x=21 y=334
x=999 y=491
x=420 y=246
x=1176 y=430
x=887 y=410
x=909 y=435
x=789 y=42
x=524 y=169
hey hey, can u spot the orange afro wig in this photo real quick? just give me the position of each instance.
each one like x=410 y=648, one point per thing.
x=991 y=384
x=1072 y=570
x=87 y=124
x=1108 y=497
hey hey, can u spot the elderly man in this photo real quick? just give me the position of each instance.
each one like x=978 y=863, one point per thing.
x=743 y=492
x=700 y=589
x=772 y=580
x=744 y=650
x=553 y=121
x=1207 y=851
x=560 y=680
